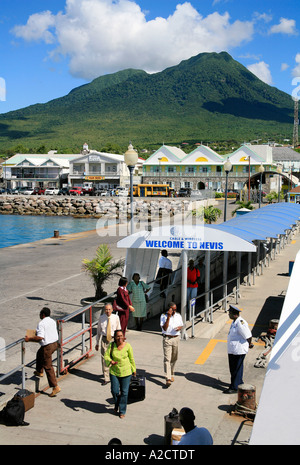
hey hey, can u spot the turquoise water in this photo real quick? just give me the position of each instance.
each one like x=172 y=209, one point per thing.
x=17 y=229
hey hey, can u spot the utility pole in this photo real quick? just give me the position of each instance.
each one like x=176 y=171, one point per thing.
x=296 y=124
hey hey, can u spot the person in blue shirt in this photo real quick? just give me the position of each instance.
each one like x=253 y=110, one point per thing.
x=194 y=436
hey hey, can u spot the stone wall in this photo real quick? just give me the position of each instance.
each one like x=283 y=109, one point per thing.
x=91 y=206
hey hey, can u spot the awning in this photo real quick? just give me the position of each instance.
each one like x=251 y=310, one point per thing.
x=236 y=234
x=189 y=237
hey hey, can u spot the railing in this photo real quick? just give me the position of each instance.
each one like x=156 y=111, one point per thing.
x=208 y=310
x=19 y=367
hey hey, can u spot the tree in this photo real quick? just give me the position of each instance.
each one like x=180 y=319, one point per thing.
x=101 y=269
x=208 y=214
x=243 y=204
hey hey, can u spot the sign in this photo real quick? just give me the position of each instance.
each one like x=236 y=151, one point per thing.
x=187 y=238
x=94 y=158
x=94 y=178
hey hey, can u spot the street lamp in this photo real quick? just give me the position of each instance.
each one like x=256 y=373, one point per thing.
x=249 y=176
x=227 y=168
x=131 y=158
x=279 y=171
x=261 y=170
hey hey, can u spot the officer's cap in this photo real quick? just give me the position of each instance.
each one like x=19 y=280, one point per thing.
x=234 y=309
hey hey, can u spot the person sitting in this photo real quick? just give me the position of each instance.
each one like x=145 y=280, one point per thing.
x=194 y=436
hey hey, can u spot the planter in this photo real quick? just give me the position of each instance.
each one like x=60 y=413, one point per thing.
x=97 y=308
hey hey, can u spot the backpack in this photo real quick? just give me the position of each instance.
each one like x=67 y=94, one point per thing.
x=14 y=412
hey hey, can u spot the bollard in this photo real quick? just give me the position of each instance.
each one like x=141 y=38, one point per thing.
x=246 y=397
x=56 y=233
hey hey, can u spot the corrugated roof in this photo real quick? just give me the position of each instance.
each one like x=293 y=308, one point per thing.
x=267 y=222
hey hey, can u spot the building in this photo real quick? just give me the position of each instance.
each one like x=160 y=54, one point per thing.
x=104 y=170
x=57 y=170
x=204 y=169
x=36 y=170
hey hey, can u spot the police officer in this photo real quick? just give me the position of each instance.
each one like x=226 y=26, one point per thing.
x=238 y=343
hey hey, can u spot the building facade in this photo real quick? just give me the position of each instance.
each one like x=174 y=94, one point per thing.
x=204 y=169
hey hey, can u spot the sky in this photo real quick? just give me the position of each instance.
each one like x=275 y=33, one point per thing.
x=49 y=47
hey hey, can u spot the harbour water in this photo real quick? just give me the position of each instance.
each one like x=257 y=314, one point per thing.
x=17 y=229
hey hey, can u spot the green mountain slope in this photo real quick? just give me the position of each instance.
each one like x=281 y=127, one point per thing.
x=208 y=97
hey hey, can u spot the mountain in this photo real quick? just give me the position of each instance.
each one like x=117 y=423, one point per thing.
x=209 y=97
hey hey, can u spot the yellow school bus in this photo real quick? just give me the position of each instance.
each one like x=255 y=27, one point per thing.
x=152 y=190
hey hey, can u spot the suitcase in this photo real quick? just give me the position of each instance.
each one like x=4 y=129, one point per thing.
x=171 y=422
x=137 y=388
x=28 y=398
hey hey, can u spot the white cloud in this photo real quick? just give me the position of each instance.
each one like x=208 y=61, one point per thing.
x=37 y=28
x=284 y=66
x=102 y=36
x=285 y=26
x=262 y=71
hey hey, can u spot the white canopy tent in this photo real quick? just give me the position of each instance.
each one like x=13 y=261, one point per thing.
x=183 y=239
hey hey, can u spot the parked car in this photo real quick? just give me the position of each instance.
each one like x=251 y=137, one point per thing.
x=22 y=190
x=28 y=191
x=88 y=191
x=121 y=191
x=38 y=191
x=76 y=191
x=184 y=192
x=51 y=191
x=16 y=190
x=101 y=192
x=64 y=191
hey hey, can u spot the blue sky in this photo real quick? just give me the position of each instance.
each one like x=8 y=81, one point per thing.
x=48 y=47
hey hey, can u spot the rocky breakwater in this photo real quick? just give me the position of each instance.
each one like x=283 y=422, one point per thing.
x=94 y=207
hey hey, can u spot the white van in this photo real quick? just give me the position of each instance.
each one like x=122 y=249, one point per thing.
x=122 y=191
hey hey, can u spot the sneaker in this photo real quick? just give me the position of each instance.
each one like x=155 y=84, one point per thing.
x=168 y=383
x=55 y=391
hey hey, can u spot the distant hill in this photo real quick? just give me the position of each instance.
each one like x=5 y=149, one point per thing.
x=206 y=98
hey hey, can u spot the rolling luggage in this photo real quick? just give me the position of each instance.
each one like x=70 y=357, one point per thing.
x=137 y=388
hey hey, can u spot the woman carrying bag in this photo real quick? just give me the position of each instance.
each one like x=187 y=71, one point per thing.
x=119 y=358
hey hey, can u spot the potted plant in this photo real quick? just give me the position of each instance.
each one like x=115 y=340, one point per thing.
x=101 y=269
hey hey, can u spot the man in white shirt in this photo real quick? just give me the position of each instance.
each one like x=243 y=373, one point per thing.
x=238 y=343
x=171 y=324
x=107 y=325
x=194 y=436
x=47 y=336
x=165 y=268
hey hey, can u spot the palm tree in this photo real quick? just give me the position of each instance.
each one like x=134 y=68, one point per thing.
x=243 y=204
x=208 y=214
x=101 y=269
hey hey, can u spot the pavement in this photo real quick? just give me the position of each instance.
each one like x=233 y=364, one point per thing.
x=82 y=413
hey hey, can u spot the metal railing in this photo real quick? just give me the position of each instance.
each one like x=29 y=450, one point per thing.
x=19 y=367
x=210 y=304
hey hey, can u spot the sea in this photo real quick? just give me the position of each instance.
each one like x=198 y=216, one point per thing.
x=18 y=229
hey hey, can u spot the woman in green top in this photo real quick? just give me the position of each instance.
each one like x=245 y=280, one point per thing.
x=119 y=357
x=138 y=289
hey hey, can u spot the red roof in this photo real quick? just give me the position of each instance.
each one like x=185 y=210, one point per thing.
x=295 y=190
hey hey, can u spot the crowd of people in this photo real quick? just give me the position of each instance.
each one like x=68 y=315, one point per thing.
x=117 y=358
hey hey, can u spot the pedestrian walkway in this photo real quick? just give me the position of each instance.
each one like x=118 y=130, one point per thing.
x=82 y=413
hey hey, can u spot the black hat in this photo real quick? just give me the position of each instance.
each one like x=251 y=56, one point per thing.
x=234 y=309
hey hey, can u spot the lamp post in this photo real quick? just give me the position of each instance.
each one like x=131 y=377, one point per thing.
x=279 y=171
x=249 y=175
x=227 y=168
x=261 y=170
x=131 y=158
